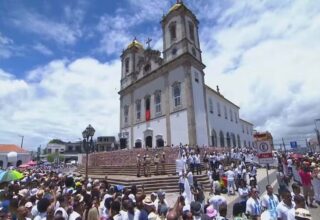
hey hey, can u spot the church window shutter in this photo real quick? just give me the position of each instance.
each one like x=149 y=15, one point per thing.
x=172 y=30
x=210 y=106
x=177 y=94
x=157 y=101
x=191 y=31
x=127 y=63
x=126 y=113
x=138 y=109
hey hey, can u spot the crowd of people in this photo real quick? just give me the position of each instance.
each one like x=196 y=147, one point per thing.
x=47 y=193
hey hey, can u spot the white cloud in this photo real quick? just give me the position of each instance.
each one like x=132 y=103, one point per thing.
x=61 y=103
x=42 y=49
x=5 y=46
x=61 y=32
x=267 y=62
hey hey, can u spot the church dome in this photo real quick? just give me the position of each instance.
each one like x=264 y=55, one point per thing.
x=135 y=43
x=175 y=7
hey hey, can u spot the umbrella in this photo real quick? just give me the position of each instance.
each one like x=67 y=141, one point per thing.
x=32 y=163
x=24 y=166
x=10 y=175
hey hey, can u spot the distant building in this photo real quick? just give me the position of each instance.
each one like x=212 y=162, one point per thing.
x=8 y=158
x=106 y=143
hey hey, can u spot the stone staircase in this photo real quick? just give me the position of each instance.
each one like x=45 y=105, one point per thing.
x=126 y=175
x=120 y=167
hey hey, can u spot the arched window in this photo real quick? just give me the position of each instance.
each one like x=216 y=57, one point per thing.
x=225 y=112
x=218 y=107
x=245 y=143
x=138 y=109
x=221 y=139
x=176 y=94
x=228 y=140
x=147 y=106
x=239 y=141
x=126 y=113
x=236 y=117
x=127 y=63
x=214 y=138
x=191 y=31
x=210 y=106
x=172 y=30
x=157 y=101
x=231 y=115
x=234 y=142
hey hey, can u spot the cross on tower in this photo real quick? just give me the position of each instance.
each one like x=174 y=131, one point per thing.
x=179 y=1
x=218 y=90
x=148 y=42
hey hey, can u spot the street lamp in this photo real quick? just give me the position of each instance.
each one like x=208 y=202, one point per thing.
x=87 y=135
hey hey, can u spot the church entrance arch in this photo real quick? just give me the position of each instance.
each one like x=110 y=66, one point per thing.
x=148 y=134
x=149 y=141
x=160 y=142
x=123 y=143
x=138 y=143
x=228 y=140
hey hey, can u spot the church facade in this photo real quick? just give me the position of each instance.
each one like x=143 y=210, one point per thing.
x=164 y=101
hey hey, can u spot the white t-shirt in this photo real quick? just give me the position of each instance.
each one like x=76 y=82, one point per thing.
x=270 y=202
x=190 y=178
x=285 y=212
x=253 y=207
x=230 y=175
x=217 y=200
x=243 y=193
x=74 y=215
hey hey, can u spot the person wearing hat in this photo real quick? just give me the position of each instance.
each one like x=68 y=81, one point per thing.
x=138 y=165
x=302 y=214
x=149 y=207
x=210 y=214
x=156 y=161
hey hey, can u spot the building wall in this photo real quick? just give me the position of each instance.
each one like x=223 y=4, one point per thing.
x=199 y=107
x=157 y=126
x=179 y=128
x=24 y=157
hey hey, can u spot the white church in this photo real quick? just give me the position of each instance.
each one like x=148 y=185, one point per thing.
x=164 y=101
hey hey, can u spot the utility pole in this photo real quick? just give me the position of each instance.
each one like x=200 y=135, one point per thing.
x=284 y=146
x=21 y=140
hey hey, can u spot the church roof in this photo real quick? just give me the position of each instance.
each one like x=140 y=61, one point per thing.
x=135 y=43
x=6 y=148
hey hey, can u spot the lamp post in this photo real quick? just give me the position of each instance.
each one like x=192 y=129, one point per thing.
x=317 y=130
x=87 y=135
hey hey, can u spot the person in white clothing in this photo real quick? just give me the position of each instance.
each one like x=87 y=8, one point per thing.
x=197 y=163
x=270 y=201
x=285 y=209
x=217 y=200
x=253 y=205
x=230 y=178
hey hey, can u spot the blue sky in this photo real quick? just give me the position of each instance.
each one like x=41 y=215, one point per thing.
x=60 y=67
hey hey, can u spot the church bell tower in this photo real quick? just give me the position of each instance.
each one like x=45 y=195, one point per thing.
x=180 y=33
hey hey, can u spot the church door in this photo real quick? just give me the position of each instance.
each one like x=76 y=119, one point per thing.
x=160 y=142
x=149 y=141
x=123 y=143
